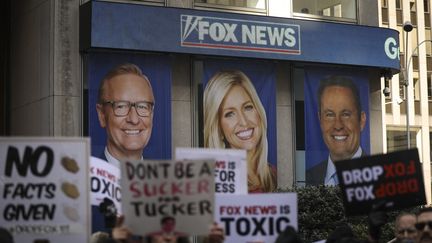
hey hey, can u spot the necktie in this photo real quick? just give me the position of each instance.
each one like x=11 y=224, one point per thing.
x=335 y=179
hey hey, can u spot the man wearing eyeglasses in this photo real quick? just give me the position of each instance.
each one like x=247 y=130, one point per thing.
x=125 y=110
x=405 y=230
x=424 y=225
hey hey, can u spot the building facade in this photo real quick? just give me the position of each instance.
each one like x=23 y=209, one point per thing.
x=59 y=48
x=413 y=82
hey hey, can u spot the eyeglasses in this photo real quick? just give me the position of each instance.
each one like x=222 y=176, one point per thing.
x=422 y=225
x=122 y=108
x=408 y=230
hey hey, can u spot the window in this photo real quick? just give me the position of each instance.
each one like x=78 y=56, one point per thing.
x=428 y=42
x=413 y=5
x=429 y=86
x=398 y=4
x=397 y=139
x=332 y=9
x=384 y=3
x=249 y=5
x=426 y=6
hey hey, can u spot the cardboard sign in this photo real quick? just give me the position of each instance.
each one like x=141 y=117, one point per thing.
x=393 y=179
x=230 y=167
x=255 y=217
x=104 y=182
x=44 y=188
x=155 y=189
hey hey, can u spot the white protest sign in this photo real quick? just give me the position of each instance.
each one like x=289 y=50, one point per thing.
x=44 y=188
x=155 y=189
x=104 y=182
x=230 y=167
x=256 y=217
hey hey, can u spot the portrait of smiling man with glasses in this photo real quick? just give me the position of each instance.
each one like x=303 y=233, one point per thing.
x=125 y=109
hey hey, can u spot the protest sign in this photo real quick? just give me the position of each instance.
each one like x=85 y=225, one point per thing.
x=44 y=188
x=255 y=217
x=153 y=190
x=230 y=167
x=394 y=180
x=104 y=182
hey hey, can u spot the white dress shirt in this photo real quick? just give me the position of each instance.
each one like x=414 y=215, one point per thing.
x=331 y=177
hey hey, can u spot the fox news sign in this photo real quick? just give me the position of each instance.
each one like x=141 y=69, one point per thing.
x=240 y=35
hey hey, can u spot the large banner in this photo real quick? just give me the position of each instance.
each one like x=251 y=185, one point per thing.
x=336 y=118
x=160 y=192
x=44 y=189
x=256 y=217
x=262 y=76
x=158 y=69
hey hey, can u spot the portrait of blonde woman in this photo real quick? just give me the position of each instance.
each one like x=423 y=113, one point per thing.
x=234 y=117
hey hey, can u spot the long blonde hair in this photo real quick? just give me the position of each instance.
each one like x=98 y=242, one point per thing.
x=217 y=88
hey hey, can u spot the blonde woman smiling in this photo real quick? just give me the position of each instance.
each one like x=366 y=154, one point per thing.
x=235 y=118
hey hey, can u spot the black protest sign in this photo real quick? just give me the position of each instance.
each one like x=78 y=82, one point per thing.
x=394 y=178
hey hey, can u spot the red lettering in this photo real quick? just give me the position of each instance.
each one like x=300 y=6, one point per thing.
x=411 y=168
x=412 y=185
x=203 y=186
x=397 y=188
x=134 y=189
x=220 y=164
x=388 y=171
x=251 y=210
x=399 y=168
x=268 y=209
x=402 y=187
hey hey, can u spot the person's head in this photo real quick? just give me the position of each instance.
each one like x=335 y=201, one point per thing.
x=234 y=117
x=342 y=233
x=289 y=235
x=233 y=114
x=5 y=236
x=340 y=115
x=405 y=230
x=424 y=225
x=168 y=224
x=125 y=110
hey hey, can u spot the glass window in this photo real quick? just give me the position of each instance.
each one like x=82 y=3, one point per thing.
x=428 y=42
x=401 y=86
x=248 y=4
x=399 y=17
x=429 y=86
x=413 y=5
x=384 y=3
x=426 y=6
x=338 y=9
x=397 y=139
x=398 y=4
x=384 y=15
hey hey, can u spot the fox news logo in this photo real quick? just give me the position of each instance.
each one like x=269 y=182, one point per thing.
x=242 y=35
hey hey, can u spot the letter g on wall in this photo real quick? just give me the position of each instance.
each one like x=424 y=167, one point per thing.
x=391 y=48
